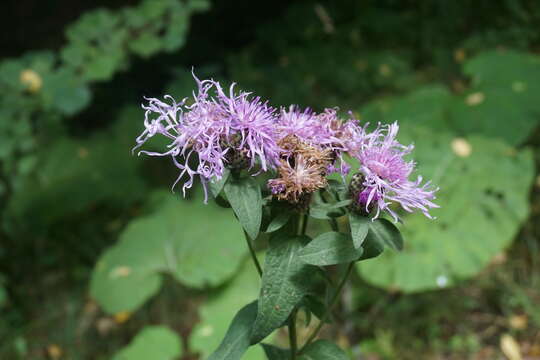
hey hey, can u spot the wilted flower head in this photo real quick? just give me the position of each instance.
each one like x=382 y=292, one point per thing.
x=313 y=146
x=217 y=130
x=301 y=172
x=324 y=131
x=383 y=176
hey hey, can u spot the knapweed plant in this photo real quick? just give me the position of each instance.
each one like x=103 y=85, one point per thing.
x=276 y=169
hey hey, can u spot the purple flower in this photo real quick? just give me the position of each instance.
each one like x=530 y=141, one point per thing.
x=214 y=132
x=384 y=175
x=325 y=131
x=254 y=122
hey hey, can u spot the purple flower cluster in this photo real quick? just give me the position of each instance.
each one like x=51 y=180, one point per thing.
x=216 y=130
x=212 y=131
x=325 y=131
x=386 y=173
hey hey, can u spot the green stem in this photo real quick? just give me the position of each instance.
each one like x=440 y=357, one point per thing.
x=304 y=224
x=334 y=224
x=332 y=221
x=253 y=255
x=330 y=306
x=292 y=334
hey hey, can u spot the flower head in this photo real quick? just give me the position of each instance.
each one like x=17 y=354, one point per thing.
x=383 y=176
x=215 y=131
x=253 y=123
x=325 y=131
x=306 y=125
x=301 y=172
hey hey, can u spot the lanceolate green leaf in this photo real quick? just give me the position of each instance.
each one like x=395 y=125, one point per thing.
x=325 y=211
x=217 y=185
x=329 y=249
x=384 y=232
x=237 y=339
x=381 y=234
x=323 y=350
x=285 y=281
x=275 y=353
x=372 y=248
x=278 y=222
x=359 y=228
x=244 y=195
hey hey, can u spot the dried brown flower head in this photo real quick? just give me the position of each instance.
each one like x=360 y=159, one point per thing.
x=302 y=170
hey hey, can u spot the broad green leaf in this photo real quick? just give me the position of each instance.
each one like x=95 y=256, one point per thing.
x=244 y=195
x=329 y=249
x=503 y=68
x=483 y=205
x=102 y=68
x=277 y=223
x=153 y=342
x=218 y=311
x=176 y=239
x=275 y=353
x=359 y=228
x=146 y=44
x=486 y=110
x=502 y=101
x=83 y=173
x=285 y=281
x=100 y=42
x=425 y=106
x=65 y=92
x=384 y=232
x=323 y=350
x=237 y=338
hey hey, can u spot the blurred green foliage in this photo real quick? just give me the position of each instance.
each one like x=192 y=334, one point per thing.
x=40 y=89
x=461 y=78
x=153 y=342
x=171 y=240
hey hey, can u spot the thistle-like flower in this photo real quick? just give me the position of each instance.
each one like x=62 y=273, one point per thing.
x=215 y=131
x=301 y=172
x=325 y=131
x=312 y=146
x=383 y=176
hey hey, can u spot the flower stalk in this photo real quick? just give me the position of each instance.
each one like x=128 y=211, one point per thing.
x=330 y=306
x=219 y=131
x=253 y=254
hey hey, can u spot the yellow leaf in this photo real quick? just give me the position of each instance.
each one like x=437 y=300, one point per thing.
x=518 y=322
x=385 y=70
x=510 y=347
x=460 y=55
x=475 y=99
x=122 y=317
x=31 y=79
x=461 y=147
x=54 y=351
x=120 y=271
